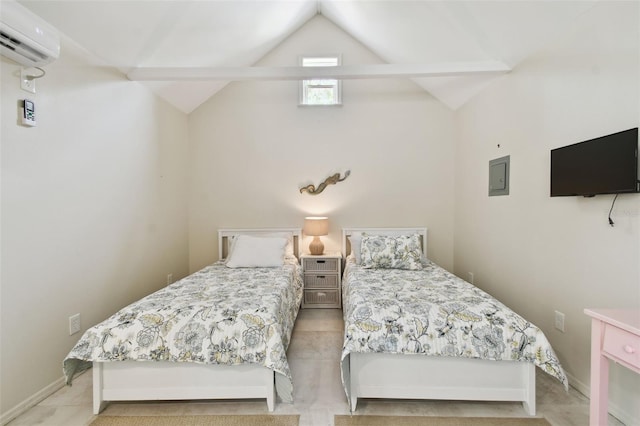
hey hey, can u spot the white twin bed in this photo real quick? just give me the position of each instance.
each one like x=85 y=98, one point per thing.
x=412 y=330
x=415 y=331
x=219 y=333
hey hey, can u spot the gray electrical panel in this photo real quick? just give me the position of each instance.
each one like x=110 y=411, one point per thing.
x=499 y=176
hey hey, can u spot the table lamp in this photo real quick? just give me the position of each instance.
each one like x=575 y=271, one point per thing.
x=315 y=227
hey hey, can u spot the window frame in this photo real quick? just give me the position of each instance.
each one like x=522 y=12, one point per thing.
x=305 y=83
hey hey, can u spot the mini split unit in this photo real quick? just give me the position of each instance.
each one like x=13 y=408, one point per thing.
x=25 y=37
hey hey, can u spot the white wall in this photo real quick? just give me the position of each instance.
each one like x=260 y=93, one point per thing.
x=94 y=199
x=539 y=254
x=252 y=148
x=93 y=211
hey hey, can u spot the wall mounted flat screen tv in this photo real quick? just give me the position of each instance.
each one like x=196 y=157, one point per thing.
x=604 y=165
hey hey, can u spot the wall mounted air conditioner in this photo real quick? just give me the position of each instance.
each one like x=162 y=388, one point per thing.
x=25 y=37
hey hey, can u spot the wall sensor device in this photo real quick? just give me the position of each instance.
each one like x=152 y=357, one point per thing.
x=28 y=113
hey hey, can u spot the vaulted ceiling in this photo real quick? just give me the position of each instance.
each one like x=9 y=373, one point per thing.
x=212 y=34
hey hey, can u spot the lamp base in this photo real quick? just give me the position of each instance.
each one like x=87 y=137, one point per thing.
x=316 y=247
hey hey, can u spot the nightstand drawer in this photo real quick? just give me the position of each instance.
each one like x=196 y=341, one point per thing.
x=321 y=297
x=622 y=345
x=320 y=281
x=321 y=265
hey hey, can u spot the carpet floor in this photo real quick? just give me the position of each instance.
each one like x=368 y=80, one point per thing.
x=230 y=420
x=437 y=421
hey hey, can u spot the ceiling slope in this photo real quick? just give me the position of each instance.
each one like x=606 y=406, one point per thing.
x=448 y=31
x=210 y=34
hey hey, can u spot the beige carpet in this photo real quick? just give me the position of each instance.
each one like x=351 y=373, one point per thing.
x=248 y=420
x=437 y=421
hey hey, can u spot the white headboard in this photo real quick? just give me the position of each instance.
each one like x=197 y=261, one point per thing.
x=347 y=232
x=224 y=234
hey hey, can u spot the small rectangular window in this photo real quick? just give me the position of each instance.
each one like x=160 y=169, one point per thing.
x=320 y=91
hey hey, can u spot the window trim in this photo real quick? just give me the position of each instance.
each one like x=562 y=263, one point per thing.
x=304 y=84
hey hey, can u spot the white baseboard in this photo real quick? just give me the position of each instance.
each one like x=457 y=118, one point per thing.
x=578 y=385
x=614 y=409
x=32 y=401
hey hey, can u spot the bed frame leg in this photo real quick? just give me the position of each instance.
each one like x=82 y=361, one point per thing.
x=352 y=377
x=529 y=404
x=98 y=402
x=270 y=403
x=271 y=391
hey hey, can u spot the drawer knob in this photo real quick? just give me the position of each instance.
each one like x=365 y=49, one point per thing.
x=629 y=349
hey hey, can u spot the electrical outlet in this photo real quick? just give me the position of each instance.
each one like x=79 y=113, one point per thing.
x=27 y=82
x=74 y=324
x=470 y=277
x=169 y=278
x=559 y=321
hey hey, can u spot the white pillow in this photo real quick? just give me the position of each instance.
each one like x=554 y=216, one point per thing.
x=257 y=252
x=288 y=235
x=356 y=242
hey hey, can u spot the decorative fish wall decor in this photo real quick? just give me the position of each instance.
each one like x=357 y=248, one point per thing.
x=331 y=180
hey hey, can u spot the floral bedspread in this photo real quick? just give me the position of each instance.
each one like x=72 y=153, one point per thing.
x=217 y=315
x=433 y=312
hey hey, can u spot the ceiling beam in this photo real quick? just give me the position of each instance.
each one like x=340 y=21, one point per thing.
x=343 y=72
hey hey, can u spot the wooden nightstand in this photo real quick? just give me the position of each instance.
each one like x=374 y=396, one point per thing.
x=322 y=280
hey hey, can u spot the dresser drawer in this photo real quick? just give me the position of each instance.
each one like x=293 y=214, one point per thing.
x=321 y=265
x=622 y=345
x=322 y=297
x=321 y=281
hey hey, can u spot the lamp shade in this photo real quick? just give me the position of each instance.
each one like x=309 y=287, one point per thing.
x=316 y=226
